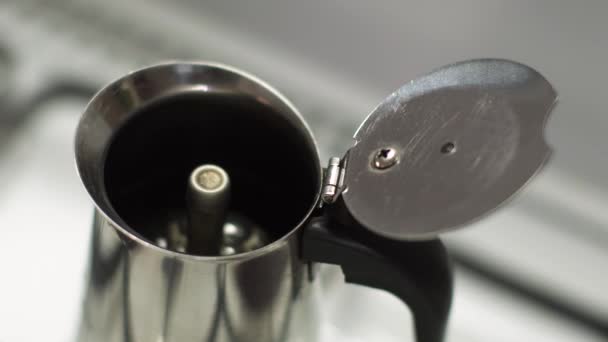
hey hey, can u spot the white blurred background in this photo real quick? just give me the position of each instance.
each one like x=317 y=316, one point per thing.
x=535 y=271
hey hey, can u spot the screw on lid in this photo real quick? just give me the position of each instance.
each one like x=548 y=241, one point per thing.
x=447 y=148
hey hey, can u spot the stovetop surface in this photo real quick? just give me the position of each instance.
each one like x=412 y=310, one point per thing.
x=530 y=273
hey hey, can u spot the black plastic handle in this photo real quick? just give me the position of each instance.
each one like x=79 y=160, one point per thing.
x=419 y=273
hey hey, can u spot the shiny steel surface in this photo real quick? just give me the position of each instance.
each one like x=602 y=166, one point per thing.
x=140 y=292
x=240 y=235
x=385 y=158
x=207 y=202
x=468 y=136
x=331 y=183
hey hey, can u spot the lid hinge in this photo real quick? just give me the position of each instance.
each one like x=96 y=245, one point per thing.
x=333 y=181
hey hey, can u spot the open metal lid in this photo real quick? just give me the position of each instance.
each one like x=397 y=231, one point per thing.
x=447 y=148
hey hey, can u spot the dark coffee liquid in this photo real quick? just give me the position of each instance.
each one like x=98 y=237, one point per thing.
x=271 y=163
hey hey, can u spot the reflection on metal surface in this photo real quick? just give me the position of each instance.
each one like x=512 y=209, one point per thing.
x=240 y=235
x=384 y=158
x=332 y=182
x=141 y=294
x=468 y=136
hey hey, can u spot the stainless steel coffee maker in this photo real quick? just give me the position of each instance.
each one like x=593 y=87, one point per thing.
x=213 y=208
